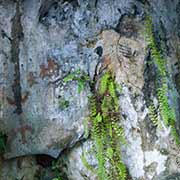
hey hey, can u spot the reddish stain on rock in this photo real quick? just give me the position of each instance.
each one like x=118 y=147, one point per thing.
x=48 y=70
x=31 y=79
x=23 y=99
x=22 y=130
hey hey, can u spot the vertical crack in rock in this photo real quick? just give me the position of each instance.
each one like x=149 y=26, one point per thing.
x=17 y=34
x=45 y=6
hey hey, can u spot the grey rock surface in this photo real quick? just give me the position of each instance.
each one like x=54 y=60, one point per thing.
x=22 y=167
x=42 y=126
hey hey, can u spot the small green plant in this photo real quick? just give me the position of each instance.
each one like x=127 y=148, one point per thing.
x=107 y=133
x=79 y=76
x=56 y=166
x=166 y=111
x=85 y=163
x=63 y=103
x=153 y=115
x=86 y=128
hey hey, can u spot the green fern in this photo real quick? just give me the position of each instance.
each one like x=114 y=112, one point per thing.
x=112 y=90
x=119 y=132
x=93 y=110
x=100 y=154
x=86 y=128
x=122 y=171
x=153 y=115
x=63 y=103
x=104 y=83
x=85 y=162
x=56 y=168
x=175 y=135
x=166 y=111
x=79 y=76
x=69 y=77
x=106 y=131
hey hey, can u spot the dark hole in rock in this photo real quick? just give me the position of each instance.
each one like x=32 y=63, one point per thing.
x=127 y=26
x=99 y=50
x=119 y=10
x=73 y=2
x=46 y=7
x=44 y=160
x=144 y=1
x=55 y=6
x=124 y=116
x=130 y=88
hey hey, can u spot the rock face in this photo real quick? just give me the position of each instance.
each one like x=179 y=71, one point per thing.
x=32 y=84
x=19 y=168
x=42 y=42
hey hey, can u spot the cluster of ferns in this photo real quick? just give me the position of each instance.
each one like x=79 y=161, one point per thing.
x=166 y=112
x=106 y=132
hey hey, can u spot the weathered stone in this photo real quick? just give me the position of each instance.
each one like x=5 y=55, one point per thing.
x=75 y=166
x=31 y=117
x=20 y=168
x=126 y=57
x=175 y=176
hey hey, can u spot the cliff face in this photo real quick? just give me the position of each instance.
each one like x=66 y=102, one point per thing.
x=50 y=53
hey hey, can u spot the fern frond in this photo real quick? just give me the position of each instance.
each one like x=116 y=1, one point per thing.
x=106 y=133
x=153 y=115
x=112 y=89
x=81 y=85
x=166 y=111
x=79 y=76
x=175 y=135
x=101 y=158
x=68 y=78
x=104 y=83
x=86 y=164
x=122 y=171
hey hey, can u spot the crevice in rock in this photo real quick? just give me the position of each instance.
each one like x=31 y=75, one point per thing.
x=127 y=26
x=178 y=15
x=149 y=91
x=150 y=75
x=44 y=160
x=17 y=35
x=161 y=37
x=4 y=35
x=47 y=5
x=144 y=2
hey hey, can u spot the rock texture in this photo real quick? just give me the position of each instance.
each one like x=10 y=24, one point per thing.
x=19 y=168
x=41 y=42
